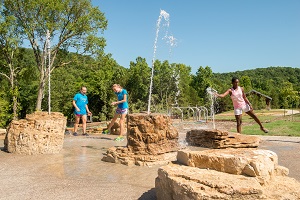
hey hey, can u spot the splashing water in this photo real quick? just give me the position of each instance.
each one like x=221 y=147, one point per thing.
x=177 y=77
x=211 y=92
x=170 y=39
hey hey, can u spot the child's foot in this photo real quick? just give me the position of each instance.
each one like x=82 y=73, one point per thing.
x=75 y=134
x=120 y=138
x=264 y=130
x=85 y=134
x=106 y=132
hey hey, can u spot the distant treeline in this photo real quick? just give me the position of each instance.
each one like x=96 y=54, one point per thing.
x=172 y=83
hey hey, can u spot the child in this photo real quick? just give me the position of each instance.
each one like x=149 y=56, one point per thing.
x=122 y=110
x=240 y=104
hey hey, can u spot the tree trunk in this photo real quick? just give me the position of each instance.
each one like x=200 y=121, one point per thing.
x=15 y=107
x=40 y=92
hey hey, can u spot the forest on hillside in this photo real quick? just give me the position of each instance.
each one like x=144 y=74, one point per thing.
x=73 y=24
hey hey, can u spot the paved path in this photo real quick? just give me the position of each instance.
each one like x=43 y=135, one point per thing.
x=78 y=172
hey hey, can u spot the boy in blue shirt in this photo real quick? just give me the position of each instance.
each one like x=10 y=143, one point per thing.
x=81 y=109
x=122 y=110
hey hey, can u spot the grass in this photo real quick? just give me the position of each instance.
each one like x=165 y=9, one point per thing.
x=273 y=120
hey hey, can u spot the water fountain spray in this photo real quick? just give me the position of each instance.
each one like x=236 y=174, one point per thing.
x=211 y=92
x=171 y=40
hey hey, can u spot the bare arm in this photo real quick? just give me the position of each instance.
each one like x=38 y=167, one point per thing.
x=87 y=109
x=118 y=102
x=75 y=106
x=224 y=94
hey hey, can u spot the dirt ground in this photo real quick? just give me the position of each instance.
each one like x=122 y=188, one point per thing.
x=77 y=172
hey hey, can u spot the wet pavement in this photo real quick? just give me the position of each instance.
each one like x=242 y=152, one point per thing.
x=77 y=172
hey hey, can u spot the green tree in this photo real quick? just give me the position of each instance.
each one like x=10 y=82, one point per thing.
x=202 y=81
x=138 y=84
x=188 y=95
x=10 y=41
x=71 y=24
x=245 y=82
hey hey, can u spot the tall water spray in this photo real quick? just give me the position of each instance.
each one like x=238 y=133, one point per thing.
x=211 y=92
x=177 y=77
x=170 y=39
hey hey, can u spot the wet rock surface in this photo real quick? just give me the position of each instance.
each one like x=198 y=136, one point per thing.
x=151 y=139
x=38 y=133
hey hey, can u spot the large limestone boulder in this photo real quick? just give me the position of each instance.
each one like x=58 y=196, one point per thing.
x=258 y=163
x=150 y=138
x=38 y=133
x=178 y=182
x=214 y=138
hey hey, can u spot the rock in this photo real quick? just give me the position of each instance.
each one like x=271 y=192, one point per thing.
x=115 y=129
x=39 y=133
x=2 y=131
x=177 y=182
x=262 y=164
x=213 y=138
x=151 y=139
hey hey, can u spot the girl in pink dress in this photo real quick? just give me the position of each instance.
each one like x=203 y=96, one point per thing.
x=240 y=104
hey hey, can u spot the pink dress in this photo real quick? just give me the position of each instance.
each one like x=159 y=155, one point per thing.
x=237 y=98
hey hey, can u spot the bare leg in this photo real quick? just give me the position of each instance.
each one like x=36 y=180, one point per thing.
x=77 y=119
x=238 y=123
x=251 y=114
x=84 y=123
x=112 y=121
x=122 y=120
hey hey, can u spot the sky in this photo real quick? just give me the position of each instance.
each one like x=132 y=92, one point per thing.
x=226 y=35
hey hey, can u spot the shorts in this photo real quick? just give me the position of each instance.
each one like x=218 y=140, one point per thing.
x=122 y=111
x=239 y=111
x=79 y=115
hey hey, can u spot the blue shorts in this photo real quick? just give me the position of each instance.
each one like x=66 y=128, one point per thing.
x=122 y=111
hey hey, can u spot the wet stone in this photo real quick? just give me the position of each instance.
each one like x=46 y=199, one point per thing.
x=150 y=137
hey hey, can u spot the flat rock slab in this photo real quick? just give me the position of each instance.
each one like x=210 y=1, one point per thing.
x=177 y=182
x=214 y=138
x=262 y=164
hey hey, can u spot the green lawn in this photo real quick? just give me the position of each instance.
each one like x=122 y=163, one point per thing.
x=288 y=125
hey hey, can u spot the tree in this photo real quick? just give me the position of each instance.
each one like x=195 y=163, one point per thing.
x=202 y=80
x=138 y=84
x=164 y=84
x=10 y=41
x=72 y=25
x=187 y=94
x=246 y=83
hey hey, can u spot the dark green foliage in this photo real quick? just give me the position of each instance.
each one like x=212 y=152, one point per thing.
x=99 y=74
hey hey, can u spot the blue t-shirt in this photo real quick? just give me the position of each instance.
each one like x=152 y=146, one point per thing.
x=81 y=101
x=120 y=96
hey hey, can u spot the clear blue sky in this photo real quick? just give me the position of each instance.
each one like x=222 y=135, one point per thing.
x=226 y=35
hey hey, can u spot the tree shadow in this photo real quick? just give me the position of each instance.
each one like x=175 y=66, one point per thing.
x=149 y=195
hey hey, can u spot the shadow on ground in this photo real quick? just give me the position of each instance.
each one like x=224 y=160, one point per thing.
x=149 y=195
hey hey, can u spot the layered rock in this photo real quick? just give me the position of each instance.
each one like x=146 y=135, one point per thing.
x=262 y=164
x=226 y=174
x=213 y=138
x=149 y=138
x=177 y=182
x=38 y=133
